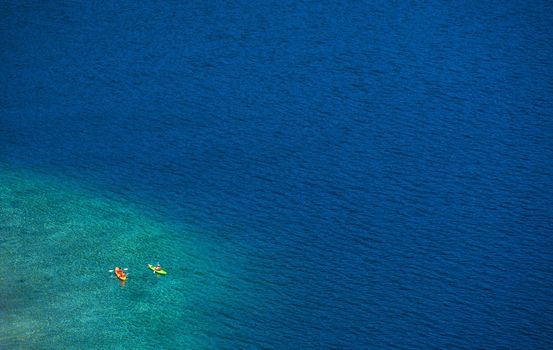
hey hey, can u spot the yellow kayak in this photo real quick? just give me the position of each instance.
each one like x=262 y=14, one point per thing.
x=159 y=272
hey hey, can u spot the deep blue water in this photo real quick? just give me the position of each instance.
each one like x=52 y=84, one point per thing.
x=386 y=167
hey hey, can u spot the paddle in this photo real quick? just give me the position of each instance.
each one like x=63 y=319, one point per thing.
x=125 y=269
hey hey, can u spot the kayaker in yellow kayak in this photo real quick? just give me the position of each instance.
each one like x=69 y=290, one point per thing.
x=157 y=269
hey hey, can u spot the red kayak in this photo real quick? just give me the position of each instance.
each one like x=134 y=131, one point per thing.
x=120 y=273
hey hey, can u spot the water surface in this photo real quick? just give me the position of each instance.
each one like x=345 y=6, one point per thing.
x=313 y=175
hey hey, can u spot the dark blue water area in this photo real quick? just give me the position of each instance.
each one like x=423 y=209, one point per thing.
x=387 y=165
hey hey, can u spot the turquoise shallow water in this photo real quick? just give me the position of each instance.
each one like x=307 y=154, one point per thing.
x=58 y=243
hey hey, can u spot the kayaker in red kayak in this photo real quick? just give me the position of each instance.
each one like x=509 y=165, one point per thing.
x=120 y=273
